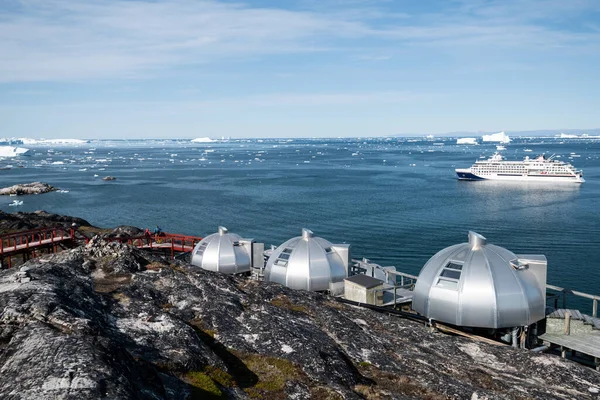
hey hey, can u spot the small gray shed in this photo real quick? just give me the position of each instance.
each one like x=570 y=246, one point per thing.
x=364 y=289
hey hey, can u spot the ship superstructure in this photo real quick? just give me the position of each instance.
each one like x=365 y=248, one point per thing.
x=540 y=169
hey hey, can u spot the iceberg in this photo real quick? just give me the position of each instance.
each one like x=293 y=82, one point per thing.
x=202 y=140
x=467 y=140
x=10 y=151
x=567 y=136
x=499 y=137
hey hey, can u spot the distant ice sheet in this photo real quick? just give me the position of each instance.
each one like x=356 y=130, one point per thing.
x=30 y=141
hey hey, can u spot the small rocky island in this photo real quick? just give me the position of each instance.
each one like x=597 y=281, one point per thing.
x=105 y=320
x=27 y=188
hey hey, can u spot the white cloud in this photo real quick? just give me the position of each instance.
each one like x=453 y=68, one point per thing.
x=53 y=40
x=64 y=39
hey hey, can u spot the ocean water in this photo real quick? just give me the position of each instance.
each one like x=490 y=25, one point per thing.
x=396 y=201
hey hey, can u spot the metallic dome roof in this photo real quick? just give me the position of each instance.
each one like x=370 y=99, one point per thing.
x=222 y=252
x=306 y=262
x=477 y=284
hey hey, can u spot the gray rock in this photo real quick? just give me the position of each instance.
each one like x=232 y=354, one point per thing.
x=128 y=325
x=10 y=222
x=124 y=231
x=28 y=188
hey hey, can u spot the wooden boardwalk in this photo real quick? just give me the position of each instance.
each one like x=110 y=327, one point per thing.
x=29 y=244
x=584 y=343
x=18 y=248
x=581 y=334
x=168 y=242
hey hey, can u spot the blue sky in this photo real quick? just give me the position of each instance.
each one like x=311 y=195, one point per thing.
x=305 y=68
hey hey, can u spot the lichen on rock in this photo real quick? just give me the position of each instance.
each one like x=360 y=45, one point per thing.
x=109 y=321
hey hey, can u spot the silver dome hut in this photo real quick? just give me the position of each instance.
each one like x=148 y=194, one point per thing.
x=223 y=252
x=308 y=262
x=481 y=285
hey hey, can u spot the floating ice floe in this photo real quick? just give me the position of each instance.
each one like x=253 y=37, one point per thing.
x=467 y=140
x=16 y=203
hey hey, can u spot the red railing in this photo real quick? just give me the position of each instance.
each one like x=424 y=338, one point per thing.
x=27 y=241
x=166 y=241
x=13 y=242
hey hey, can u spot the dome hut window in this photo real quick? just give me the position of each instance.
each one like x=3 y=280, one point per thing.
x=518 y=264
x=453 y=265
x=447 y=284
x=450 y=273
x=283 y=258
x=201 y=248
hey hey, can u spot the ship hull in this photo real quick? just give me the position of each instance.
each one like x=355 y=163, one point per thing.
x=468 y=175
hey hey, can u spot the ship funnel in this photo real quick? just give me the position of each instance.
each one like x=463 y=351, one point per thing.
x=476 y=240
x=306 y=234
x=222 y=230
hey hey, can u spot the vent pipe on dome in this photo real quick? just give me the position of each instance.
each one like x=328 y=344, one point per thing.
x=222 y=230
x=476 y=240
x=306 y=234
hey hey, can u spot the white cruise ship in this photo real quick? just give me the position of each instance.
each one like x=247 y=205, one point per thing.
x=540 y=169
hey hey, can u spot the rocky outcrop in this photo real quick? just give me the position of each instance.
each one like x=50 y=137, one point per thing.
x=124 y=231
x=109 y=321
x=28 y=188
x=38 y=219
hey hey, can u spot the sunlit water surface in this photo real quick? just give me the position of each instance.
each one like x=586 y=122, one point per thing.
x=397 y=201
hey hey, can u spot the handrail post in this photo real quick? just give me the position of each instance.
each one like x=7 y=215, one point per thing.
x=595 y=308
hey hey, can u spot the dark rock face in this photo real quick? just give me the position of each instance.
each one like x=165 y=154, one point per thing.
x=124 y=231
x=108 y=321
x=28 y=188
x=39 y=219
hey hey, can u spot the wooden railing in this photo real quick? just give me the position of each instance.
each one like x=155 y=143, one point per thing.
x=564 y=293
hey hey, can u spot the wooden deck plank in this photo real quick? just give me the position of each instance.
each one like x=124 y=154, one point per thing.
x=587 y=344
